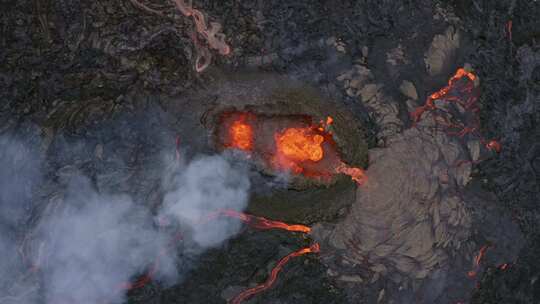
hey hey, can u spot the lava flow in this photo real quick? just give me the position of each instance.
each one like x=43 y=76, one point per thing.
x=252 y=221
x=358 y=175
x=264 y=224
x=315 y=248
x=461 y=90
x=258 y=222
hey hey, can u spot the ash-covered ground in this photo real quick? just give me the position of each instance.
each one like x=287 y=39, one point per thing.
x=104 y=134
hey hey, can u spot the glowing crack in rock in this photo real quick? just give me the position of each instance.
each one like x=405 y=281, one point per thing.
x=241 y=135
x=258 y=222
x=315 y=248
x=252 y=221
x=461 y=91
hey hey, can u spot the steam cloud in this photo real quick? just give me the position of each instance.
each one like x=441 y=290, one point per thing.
x=207 y=185
x=93 y=242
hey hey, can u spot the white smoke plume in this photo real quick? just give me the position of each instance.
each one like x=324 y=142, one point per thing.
x=207 y=185
x=93 y=243
x=96 y=243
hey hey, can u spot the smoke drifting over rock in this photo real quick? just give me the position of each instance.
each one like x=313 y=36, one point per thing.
x=96 y=243
x=89 y=245
x=207 y=185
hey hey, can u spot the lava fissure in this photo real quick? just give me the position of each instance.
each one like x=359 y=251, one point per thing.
x=477 y=260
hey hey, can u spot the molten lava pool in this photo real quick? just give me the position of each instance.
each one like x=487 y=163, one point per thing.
x=286 y=143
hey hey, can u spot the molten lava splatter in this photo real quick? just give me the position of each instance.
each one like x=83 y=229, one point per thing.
x=241 y=135
x=460 y=90
x=325 y=125
x=297 y=145
x=329 y=120
x=358 y=175
x=315 y=248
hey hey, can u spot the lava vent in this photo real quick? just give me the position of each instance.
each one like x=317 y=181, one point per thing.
x=286 y=144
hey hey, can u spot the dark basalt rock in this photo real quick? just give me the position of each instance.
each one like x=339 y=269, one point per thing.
x=103 y=76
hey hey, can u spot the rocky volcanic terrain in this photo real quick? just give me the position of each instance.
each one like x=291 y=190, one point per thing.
x=111 y=163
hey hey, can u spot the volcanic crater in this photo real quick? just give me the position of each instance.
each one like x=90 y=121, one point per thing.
x=269 y=152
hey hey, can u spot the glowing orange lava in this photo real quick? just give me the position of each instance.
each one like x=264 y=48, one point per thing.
x=442 y=93
x=315 y=248
x=305 y=148
x=358 y=175
x=329 y=120
x=259 y=222
x=460 y=92
x=300 y=144
x=297 y=145
x=241 y=135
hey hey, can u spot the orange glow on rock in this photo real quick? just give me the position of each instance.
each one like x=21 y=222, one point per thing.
x=258 y=222
x=329 y=120
x=358 y=175
x=442 y=93
x=241 y=135
x=300 y=144
x=273 y=274
x=478 y=258
x=460 y=90
x=494 y=145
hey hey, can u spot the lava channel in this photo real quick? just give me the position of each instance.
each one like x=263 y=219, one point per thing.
x=315 y=248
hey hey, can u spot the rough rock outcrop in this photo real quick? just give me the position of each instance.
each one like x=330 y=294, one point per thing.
x=409 y=214
x=359 y=82
x=410 y=219
x=441 y=51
